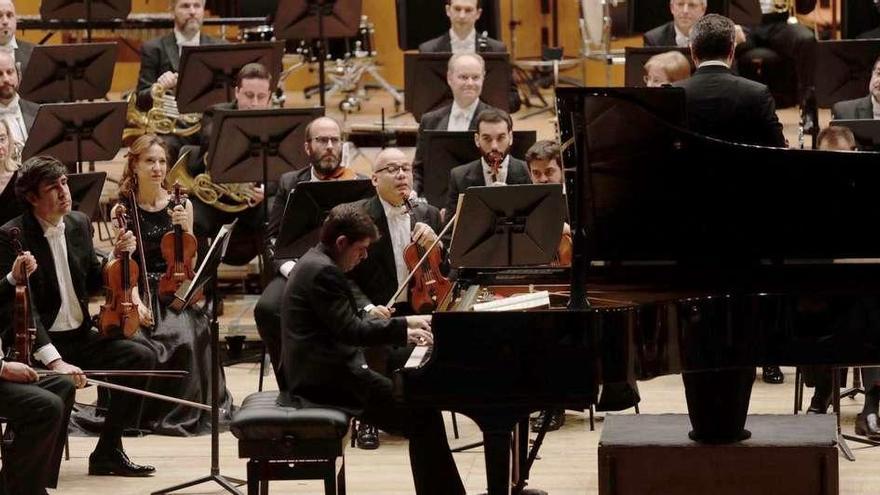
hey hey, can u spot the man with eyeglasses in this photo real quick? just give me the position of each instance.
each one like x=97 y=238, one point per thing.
x=865 y=107
x=323 y=146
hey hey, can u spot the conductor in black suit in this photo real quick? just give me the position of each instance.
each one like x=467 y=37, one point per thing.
x=8 y=23
x=723 y=105
x=324 y=363
x=68 y=272
x=866 y=107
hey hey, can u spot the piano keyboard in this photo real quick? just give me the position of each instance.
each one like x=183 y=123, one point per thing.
x=419 y=356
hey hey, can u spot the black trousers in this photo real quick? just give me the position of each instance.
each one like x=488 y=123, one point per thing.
x=37 y=413
x=86 y=349
x=267 y=315
x=792 y=41
x=433 y=468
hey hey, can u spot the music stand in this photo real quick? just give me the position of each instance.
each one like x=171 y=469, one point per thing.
x=866 y=132
x=69 y=72
x=425 y=87
x=514 y=225
x=445 y=150
x=307 y=206
x=207 y=72
x=258 y=145
x=85 y=191
x=184 y=297
x=77 y=132
x=843 y=69
x=317 y=20
x=636 y=58
x=88 y=10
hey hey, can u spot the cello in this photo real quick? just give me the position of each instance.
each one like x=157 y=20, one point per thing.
x=119 y=317
x=178 y=249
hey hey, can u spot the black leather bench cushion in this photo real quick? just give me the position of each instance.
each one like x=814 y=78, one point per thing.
x=261 y=418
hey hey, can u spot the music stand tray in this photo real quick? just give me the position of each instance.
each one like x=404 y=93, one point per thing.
x=69 y=72
x=207 y=73
x=307 y=206
x=843 y=69
x=425 y=87
x=514 y=225
x=90 y=10
x=85 y=191
x=298 y=19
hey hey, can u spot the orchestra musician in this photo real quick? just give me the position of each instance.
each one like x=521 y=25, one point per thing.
x=677 y=32
x=723 y=105
x=324 y=332
x=12 y=207
x=36 y=409
x=18 y=113
x=464 y=75
x=866 y=107
x=180 y=340
x=666 y=68
x=68 y=272
x=323 y=147
x=22 y=48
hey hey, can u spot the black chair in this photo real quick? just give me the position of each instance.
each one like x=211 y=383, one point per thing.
x=287 y=443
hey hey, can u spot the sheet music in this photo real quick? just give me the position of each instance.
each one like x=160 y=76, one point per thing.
x=532 y=300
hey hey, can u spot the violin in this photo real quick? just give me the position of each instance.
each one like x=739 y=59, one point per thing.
x=428 y=286
x=563 y=254
x=178 y=249
x=119 y=315
x=23 y=320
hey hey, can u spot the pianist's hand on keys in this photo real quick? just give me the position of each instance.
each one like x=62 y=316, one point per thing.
x=418 y=330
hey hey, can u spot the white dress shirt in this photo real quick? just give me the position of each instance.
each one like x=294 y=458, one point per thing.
x=183 y=41
x=502 y=171
x=11 y=113
x=875 y=105
x=709 y=63
x=399 y=232
x=460 y=118
x=468 y=44
x=768 y=6
x=681 y=39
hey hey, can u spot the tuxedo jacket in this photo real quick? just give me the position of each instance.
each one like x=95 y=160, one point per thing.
x=443 y=44
x=471 y=175
x=436 y=120
x=729 y=107
x=28 y=113
x=159 y=56
x=663 y=35
x=85 y=269
x=375 y=278
x=23 y=54
x=322 y=335
x=859 y=108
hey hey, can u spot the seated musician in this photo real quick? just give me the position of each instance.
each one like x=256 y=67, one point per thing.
x=866 y=107
x=12 y=207
x=324 y=363
x=18 y=113
x=666 y=68
x=494 y=138
x=37 y=410
x=8 y=23
x=464 y=74
x=677 y=31
x=323 y=146
x=68 y=272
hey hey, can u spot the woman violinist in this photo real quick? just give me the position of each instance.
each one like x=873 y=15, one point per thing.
x=180 y=340
x=9 y=164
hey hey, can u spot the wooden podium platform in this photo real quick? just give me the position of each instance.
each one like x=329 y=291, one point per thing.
x=652 y=454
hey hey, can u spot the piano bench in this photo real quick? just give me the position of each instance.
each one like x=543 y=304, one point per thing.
x=288 y=443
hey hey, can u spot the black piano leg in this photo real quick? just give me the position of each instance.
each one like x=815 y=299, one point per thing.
x=718 y=403
x=497 y=453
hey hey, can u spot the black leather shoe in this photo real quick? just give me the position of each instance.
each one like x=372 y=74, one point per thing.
x=866 y=426
x=556 y=419
x=818 y=405
x=367 y=437
x=772 y=374
x=116 y=463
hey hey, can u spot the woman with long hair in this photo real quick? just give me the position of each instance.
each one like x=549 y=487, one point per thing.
x=9 y=163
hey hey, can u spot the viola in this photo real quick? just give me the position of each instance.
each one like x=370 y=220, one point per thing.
x=178 y=249
x=428 y=286
x=118 y=316
x=24 y=323
x=563 y=254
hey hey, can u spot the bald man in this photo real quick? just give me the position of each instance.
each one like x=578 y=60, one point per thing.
x=323 y=146
x=8 y=23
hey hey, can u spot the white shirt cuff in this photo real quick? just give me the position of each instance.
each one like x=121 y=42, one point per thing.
x=47 y=354
x=286 y=268
x=10 y=278
x=369 y=307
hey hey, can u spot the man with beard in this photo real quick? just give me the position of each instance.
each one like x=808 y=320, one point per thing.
x=866 y=107
x=465 y=73
x=8 y=22
x=494 y=137
x=323 y=146
x=19 y=114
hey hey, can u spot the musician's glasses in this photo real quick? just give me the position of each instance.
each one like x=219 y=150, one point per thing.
x=326 y=140
x=394 y=168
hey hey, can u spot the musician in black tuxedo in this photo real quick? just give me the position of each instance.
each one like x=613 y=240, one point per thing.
x=494 y=137
x=8 y=23
x=462 y=36
x=324 y=363
x=677 y=31
x=18 y=113
x=866 y=107
x=323 y=148
x=68 y=272
x=723 y=105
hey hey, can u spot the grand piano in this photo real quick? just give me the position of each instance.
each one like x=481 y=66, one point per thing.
x=691 y=255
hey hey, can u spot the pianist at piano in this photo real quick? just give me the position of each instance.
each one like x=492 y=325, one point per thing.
x=323 y=334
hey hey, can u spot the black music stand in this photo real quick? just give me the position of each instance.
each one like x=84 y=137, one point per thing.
x=307 y=206
x=445 y=150
x=85 y=191
x=317 y=20
x=843 y=69
x=425 y=87
x=207 y=72
x=77 y=132
x=69 y=72
x=88 y=10
x=258 y=145
x=513 y=225
x=636 y=58
x=184 y=297
x=866 y=132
